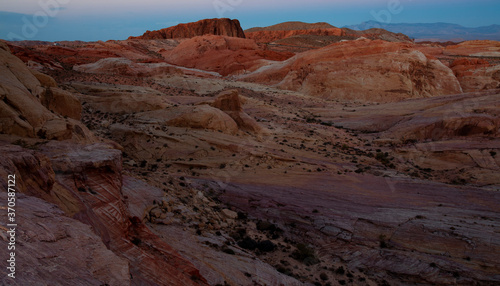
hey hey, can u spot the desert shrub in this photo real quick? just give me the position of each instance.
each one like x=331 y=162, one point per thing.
x=323 y=276
x=228 y=251
x=266 y=246
x=247 y=243
x=305 y=254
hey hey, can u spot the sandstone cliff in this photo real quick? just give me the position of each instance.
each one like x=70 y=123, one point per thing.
x=221 y=27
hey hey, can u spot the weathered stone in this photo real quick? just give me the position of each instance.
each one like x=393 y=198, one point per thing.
x=221 y=27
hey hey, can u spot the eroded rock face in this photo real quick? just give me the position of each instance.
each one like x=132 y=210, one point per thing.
x=120 y=99
x=274 y=35
x=476 y=74
x=364 y=70
x=221 y=27
x=415 y=243
x=475 y=48
x=197 y=117
x=286 y=30
x=224 y=55
x=25 y=104
x=86 y=182
x=126 y=67
x=68 y=54
x=229 y=102
x=50 y=241
x=62 y=102
x=469 y=115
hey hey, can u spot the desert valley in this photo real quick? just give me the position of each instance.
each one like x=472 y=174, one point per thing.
x=294 y=154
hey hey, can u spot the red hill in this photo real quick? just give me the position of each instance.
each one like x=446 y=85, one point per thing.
x=220 y=27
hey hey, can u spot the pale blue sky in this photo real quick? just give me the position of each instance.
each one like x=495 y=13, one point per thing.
x=91 y=20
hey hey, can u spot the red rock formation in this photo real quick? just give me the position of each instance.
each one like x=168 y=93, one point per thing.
x=86 y=183
x=273 y=35
x=475 y=63
x=220 y=27
x=202 y=117
x=65 y=55
x=25 y=104
x=33 y=58
x=229 y=102
x=53 y=242
x=475 y=48
x=225 y=55
x=378 y=34
x=476 y=74
x=290 y=29
x=290 y=26
x=123 y=66
x=119 y=100
x=361 y=70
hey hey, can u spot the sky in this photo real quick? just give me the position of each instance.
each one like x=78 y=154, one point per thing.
x=92 y=20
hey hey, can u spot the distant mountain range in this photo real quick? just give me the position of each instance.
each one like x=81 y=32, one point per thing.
x=436 y=31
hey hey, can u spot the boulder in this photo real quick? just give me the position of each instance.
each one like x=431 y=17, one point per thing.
x=62 y=102
x=230 y=102
x=203 y=117
x=45 y=80
x=229 y=214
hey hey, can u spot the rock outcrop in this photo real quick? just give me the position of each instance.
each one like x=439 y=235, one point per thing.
x=475 y=74
x=197 y=117
x=204 y=117
x=475 y=63
x=85 y=181
x=225 y=55
x=364 y=70
x=291 y=26
x=229 y=102
x=469 y=115
x=52 y=242
x=293 y=29
x=269 y=36
x=475 y=48
x=120 y=99
x=220 y=27
x=123 y=66
x=224 y=113
x=30 y=109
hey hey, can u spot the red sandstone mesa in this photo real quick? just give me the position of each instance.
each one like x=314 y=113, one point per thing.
x=220 y=27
